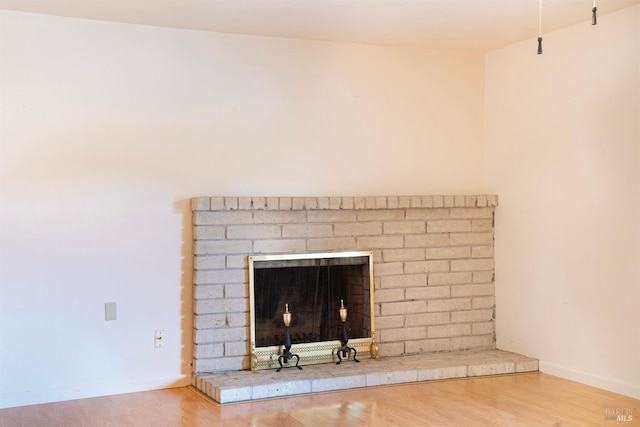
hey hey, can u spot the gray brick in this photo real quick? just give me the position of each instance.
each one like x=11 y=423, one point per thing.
x=448 y=253
x=483 y=276
x=472 y=342
x=448 y=226
x=203 y=262
x=357 y=229
x=203 y=351
x=237 y=348
x=403 y=334
x=472 y=290
x=223 y=305
x=208 y=321
x=411 y=254
x=427 y=240
x=387 y=268
x=220 y=335
x=484 y=328
x=428 y=319
x=386 y=322
x=381 y=215
x=427 y=346
x=482 y=251
x=331 y=216
x=202 y=277
x=219 y=247
x=331 y=244
x=208 y=291
x=239 y=290
x=471 y=316
x=217 y=203
x=483 y=302
x=471 y=239
x=479 y=225
x=201 y=204
x=471 y=213
x=389 y=295
x=427 y=214
x=278 y=217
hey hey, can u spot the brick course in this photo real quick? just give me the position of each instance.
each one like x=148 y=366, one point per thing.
x=433 y=266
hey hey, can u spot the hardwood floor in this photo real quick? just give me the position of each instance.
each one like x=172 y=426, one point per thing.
x=532 y=399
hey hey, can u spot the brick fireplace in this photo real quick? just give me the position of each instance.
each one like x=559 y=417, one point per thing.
x=433 y=267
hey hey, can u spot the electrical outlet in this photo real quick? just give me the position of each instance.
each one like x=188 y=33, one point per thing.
x=158 y=341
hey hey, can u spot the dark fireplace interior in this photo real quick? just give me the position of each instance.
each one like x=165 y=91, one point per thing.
x=313 y=290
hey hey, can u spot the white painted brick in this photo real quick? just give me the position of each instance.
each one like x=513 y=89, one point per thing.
x=297 y=203
x=448 y=226
x=358 y=203
x=459 y=201
x=218 y=247
x=223 y=218
x=347 y=203
x=279 y=246
x=221 y=364
x=449 y=304
x=201 y=204
x=245 y=203
x=427 y=346
x=357 y=229
x=393 y=202
x=240 y=319
x=472 y=342
x=202 y=277
x=481 y=201
x=416 y=202
x=404 y=227
x=483 y=328
x=470 y=238
x=448 y=253
x=483 y=302
x=427 y=214
x=405 y=307
x=427 y=319
x=273 y=203
x=259 y=203
x=471 y=316
x=331 y=244
x=427 y=201
x=279 y=217
x=457 y=278
x=381 y=202
x=483 y=277
x=335 y=202
x=381 y=215
x=239 y=290
x=389 y=295
x=237 y=348
x=387 y=268
x=208 y=291
x=285 y=203
x=449 y=201
x=472 y=290
x=426 y=240
x=370 y=202
x=386 y=322
x=237 y=261
x=311 y=203
x=331 y=216
x=379 y=242
x=437 y=266
x=208 y=321
x=222 y=305
x=482 y=251
x=471 y=213
x=470 y=201
x=492 y=200
x=438 y=201
x=204 y=351
x=221 y=335
x=203 y=232
x=446 y=331
x=403 y=334
x=428 y=292
x=404 y=201
x=217 y=203
x=231 y=203
x=392 y=349
x=403 y=281
x=479 y=225
x=203 y=262
x=261 y=231
x=472 y=265
x=411 y=254
x=307 y=230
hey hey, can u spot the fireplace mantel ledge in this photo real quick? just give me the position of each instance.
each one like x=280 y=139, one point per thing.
x=230 y=203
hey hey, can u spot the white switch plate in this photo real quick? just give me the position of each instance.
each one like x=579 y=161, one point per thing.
x=110 y=311
x=158 y=341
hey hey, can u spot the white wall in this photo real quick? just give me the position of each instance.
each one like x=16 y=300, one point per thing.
x=107 y=129
x=563 y=154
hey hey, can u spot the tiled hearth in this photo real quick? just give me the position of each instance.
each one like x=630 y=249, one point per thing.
x=434 y=287
x=247 y=385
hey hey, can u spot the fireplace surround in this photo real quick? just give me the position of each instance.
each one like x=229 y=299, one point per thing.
x=433 y=267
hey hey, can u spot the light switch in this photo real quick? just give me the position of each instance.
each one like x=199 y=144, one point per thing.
x=110 y=312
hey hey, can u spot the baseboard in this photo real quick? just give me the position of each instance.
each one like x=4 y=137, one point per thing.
x=34 y=397
x=611 y=384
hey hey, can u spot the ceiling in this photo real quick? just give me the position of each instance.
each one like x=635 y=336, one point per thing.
x=480 y=25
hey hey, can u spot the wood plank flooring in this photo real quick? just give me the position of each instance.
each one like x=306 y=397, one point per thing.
x=531 y=399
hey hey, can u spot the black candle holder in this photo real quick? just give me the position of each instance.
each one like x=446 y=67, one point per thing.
x=286 y=355
x=345 y=349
